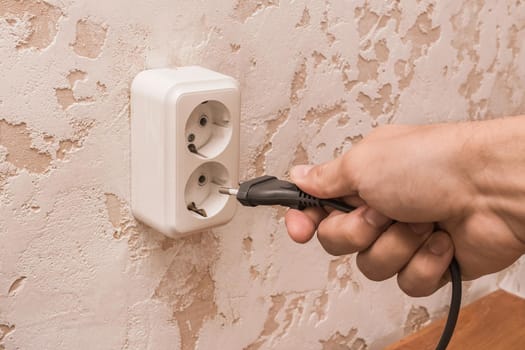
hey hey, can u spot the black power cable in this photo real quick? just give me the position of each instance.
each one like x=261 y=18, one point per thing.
x=268 y=190
x=455 y=304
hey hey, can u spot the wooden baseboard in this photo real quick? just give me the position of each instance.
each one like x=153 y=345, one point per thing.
x=494 y=322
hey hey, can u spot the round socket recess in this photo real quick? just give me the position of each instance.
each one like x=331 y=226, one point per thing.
x=201 y=194
x=208 y=129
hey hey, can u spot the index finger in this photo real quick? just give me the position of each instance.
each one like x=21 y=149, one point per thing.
x=301 y=225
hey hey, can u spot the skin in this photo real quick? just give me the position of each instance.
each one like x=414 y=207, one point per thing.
x=424 y=194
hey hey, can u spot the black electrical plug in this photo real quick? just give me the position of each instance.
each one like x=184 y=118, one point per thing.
x=269 y=190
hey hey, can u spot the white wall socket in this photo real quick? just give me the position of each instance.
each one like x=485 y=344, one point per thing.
x=184 y=146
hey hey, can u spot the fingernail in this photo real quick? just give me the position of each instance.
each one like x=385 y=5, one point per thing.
x=439 y=244
x=375 y=218
x=421 y=229
x=300 y=171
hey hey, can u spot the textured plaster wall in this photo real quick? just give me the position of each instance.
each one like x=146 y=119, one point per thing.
x=78 y=272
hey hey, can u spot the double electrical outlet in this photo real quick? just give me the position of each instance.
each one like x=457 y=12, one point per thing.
x=184 y=146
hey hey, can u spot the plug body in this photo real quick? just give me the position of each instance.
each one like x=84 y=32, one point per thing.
x=269 y=190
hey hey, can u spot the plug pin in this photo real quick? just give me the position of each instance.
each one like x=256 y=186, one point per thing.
x=228 y=191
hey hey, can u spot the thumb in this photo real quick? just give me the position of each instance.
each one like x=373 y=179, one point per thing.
x=332 y=179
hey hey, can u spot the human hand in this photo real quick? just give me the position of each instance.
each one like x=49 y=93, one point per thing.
x=436 y=182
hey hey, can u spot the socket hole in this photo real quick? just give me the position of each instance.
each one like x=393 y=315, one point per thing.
x=193 y=149
x=208 y=129
x=199 y=211
x=201 y=194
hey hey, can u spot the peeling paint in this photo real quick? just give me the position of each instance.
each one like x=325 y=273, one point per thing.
x=113 y=205
x=16 y=285
x=16 y=138
x=300 y=156
x=66 y=95
x=298 y=83
x=422 y=34
x=321 y=304
x=339 y=341
x=416 y=318
x=318 y=58
x=339 y=271
x=5 y=329
x=367 y=20
x=405 y=73
x=368 y=69
x=66 y=146
x=294 y=310
x=305 y=18
x=272 y=126
x=381 y=50
x=39 y=19
x=377 y=106
x=189 y=288
x=247 y=244
x=270 y=325
x=76 y=75
x=245 y=9
x=235 y=47
x=316 y=78
x=90 y=38
x=321 y=114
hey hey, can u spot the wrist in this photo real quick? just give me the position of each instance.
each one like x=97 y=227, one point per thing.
x=462 y=143
x=495 y=160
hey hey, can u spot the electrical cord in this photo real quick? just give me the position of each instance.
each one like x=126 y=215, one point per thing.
x=268 y=190
x=455 y=304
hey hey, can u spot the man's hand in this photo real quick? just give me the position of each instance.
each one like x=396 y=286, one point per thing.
x=452 y=189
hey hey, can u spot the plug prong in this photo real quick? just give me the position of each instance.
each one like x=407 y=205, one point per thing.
x=228 y=191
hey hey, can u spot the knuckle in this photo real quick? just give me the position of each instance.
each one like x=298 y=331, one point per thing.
x=318 y=178
x=335 y=240
x=422 y=282
x=324 y=238
x=409 y=290
x=357 y=242
x=415 y=290
x=322 y=230
x=370 y=270
x=424 y=274
x=318 y=171
x=348 y=167
x=329 y=246
x=353 y=166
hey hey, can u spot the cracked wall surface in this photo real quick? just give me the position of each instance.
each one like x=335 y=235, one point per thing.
x=316 y=77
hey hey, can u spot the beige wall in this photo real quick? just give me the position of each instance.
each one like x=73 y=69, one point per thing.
x=78 y=272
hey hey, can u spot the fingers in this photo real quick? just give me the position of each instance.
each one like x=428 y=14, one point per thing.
x=328 y=180
x=419 y=256
x=354 y=200
x=392 y=250
x=426 y=272
x=342 y=233
x=301 y=225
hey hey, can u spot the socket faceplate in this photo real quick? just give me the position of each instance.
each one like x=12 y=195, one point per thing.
x=184 y=144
